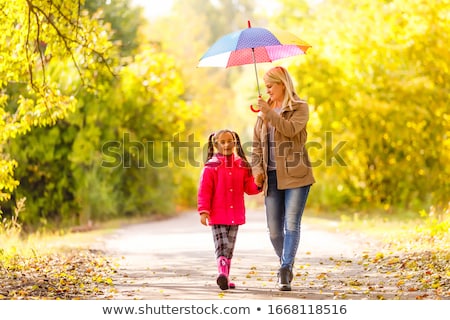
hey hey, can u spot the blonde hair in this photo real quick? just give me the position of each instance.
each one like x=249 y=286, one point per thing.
x=281 y=75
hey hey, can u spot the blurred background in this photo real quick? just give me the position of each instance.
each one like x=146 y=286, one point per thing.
x=105 y=113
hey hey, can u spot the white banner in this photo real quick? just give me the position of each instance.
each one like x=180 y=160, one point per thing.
x=218 y=309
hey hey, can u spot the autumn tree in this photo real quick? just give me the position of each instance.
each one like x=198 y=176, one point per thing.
x=377 y=79
x=111 y=156
x=34 y=35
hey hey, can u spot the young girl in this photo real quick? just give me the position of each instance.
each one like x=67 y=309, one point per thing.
x=225 y=178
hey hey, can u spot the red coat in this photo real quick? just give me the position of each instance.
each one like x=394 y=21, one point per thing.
x=222 y=187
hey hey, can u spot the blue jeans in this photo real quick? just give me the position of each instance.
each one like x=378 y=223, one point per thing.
x=284 y=211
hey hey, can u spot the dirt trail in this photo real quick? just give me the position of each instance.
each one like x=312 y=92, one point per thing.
x=174 y=259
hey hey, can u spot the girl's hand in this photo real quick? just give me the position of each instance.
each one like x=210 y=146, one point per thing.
x=204 y=218
x=259 y=180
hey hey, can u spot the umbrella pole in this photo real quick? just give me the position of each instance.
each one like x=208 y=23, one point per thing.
x=256 y=71
x=257 y=81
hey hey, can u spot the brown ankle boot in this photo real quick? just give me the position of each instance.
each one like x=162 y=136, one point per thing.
x=284 y=279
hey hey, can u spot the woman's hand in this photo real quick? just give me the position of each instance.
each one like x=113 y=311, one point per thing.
x=204 y=218
x=263 y=105
x=259 y=180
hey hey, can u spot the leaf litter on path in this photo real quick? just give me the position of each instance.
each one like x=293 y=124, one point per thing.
x=77 y=274
x=413 y=269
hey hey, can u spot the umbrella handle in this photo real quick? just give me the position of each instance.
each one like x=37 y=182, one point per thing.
x=253 y=109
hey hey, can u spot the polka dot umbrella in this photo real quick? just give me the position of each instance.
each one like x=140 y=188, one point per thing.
x=252 y=46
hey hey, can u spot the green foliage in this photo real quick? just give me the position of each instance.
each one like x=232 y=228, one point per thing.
x=379 y=85
x=68 y=177
x=436 y=223
x=62 y=170
x=11 y=228
x=35 y=35
x=124 y=19
x=152 y=112
x=45 y=178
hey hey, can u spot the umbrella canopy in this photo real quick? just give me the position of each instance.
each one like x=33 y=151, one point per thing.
x=252 y=45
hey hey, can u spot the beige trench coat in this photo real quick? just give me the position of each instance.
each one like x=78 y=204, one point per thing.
x=291 y=157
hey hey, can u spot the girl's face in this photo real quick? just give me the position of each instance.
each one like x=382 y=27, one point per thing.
x=225 y=143
x=275 y=91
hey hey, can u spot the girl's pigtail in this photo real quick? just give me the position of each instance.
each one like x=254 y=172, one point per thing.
x=240 y=150
x=210 y=147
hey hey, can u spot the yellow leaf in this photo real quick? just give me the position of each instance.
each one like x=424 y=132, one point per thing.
x=354 y=283
x=394 y=260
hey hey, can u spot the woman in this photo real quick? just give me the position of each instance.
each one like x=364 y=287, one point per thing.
x=280 y=157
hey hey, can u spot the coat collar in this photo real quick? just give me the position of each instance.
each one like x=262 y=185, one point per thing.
x=217 y=159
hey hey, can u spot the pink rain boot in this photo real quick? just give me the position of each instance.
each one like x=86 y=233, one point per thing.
x=230 y=284
x=222 y=278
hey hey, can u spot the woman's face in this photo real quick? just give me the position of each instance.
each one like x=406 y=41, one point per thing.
x=275 y=91
x=225 y=143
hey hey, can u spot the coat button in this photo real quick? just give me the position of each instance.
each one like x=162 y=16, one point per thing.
x=231 y=207
x=231 y=190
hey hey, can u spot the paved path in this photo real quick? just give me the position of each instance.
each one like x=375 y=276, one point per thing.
x=174 y=259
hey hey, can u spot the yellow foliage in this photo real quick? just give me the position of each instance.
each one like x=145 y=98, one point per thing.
x=379 y=83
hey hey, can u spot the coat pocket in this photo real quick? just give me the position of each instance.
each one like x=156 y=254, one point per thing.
x=296 y=166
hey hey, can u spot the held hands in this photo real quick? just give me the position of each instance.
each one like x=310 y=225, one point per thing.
x=259 y=180
x=204 y=218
